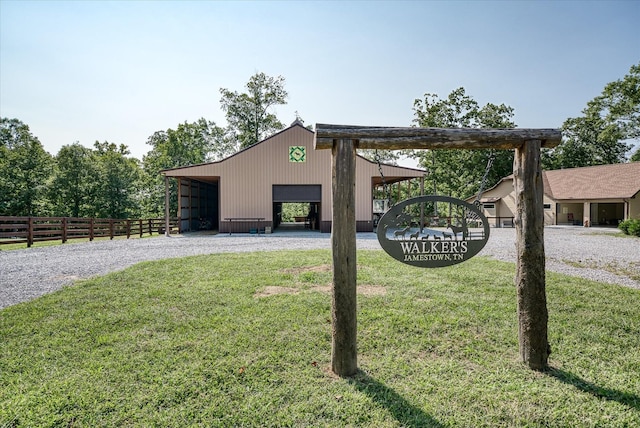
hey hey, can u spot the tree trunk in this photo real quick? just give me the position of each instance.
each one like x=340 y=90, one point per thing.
x=530 y=262
x=344 y=360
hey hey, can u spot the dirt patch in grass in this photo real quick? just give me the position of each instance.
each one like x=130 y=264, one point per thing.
x=297 y=271
x=364 y=290
x=272 y=290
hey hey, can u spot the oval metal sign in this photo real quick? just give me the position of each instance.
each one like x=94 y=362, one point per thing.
x=413 y=233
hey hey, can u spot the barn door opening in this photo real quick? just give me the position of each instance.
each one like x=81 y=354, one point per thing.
x=297 y=207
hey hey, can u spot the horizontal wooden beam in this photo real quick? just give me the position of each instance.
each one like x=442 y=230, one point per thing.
x=392 y=138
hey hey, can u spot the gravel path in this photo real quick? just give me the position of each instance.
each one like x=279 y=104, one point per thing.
x=29 y=273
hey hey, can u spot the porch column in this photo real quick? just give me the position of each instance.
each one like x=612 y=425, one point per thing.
x=586 y=214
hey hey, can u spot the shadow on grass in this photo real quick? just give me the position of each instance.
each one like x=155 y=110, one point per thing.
x=625 y=398
x=404 y=412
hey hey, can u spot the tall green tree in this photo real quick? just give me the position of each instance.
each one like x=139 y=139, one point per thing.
x=459 y=172
x=25 y=169
x=73 y=189
x=189 y=144
x=602 y=135
x=248 y=114
x=118 y=186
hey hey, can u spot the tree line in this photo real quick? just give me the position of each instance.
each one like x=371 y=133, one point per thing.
x=105 y=181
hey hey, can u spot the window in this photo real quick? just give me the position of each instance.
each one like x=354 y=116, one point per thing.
x=489 y=206
x=547 y=206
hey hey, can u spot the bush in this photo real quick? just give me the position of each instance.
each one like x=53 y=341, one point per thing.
x=630 y=227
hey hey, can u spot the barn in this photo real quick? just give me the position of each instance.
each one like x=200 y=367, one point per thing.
x=246 y=191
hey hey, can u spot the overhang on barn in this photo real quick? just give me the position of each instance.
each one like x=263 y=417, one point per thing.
x=601 y=195
x=245 y=191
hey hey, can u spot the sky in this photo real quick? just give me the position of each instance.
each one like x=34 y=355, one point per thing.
x=118 y=71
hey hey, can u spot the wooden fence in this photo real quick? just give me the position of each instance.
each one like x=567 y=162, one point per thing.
x=14 y=230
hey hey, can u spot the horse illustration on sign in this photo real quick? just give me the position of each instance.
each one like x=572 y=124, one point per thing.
x=412 y=234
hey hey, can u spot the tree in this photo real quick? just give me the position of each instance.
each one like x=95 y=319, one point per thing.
x=189 y=144
x=73 y=189
x=636 y=156
x=25 y=168
x=248 y=115
x=459 y=172
x=118 y=182
x=602 y=134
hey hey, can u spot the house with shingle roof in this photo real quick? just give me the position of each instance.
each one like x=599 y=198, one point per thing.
x=601 y=195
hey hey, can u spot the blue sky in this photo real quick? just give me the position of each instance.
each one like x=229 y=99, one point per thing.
x=119 y=71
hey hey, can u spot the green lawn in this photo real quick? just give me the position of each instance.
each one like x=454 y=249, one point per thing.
x=245 y=340
x=38 y=244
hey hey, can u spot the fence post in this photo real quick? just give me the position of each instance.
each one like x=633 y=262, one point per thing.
x=110 y=228
x=91 y=229
x=30 y=232
x=64 y=230
x=128 y=228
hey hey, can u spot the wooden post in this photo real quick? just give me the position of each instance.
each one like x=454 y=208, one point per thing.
x=530 y=263
x=166 y=206
x=344 y=359
x=29 y=232
x=64 y=230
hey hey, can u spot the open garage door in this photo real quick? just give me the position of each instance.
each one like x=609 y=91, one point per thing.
x=297 y=193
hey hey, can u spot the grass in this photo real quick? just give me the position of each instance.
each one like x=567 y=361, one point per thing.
x=630 y=269
x=23 y=245
x=244 y=340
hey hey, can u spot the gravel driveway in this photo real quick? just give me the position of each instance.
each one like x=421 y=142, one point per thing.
x=29 y=273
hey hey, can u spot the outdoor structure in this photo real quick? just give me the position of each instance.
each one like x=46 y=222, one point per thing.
x=530 y=260
x=602 y=195
x=245 y=191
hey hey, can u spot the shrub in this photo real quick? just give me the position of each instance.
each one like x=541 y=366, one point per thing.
x=630 y=227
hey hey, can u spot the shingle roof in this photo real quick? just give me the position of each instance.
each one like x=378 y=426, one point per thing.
x=620 y=180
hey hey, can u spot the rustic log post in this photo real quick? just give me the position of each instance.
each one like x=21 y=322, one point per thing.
x=140 y=225
x=530 y=262
x=111 y=229
x=344 y=359
x=166 y=206
x=91 y=220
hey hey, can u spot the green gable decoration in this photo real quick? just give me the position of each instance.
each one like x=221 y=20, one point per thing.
x=297 y=154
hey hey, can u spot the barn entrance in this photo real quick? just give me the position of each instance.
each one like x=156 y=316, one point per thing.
x=198 y=205
x=297 y=207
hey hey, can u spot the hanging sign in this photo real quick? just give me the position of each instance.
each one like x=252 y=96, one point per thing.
x=413 y=232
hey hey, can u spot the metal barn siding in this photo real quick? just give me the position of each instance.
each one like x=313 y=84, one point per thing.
x=246 y=179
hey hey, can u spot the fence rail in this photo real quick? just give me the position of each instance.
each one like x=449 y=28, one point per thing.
x=15 y=230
